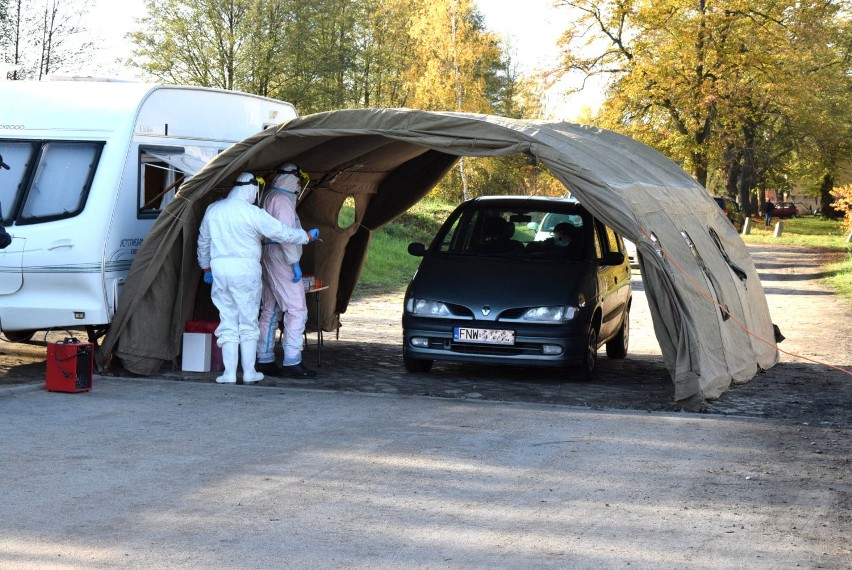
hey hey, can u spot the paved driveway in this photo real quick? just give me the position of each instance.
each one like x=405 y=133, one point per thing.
x=149 y=473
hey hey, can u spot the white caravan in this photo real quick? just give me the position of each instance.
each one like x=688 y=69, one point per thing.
x=91 y=165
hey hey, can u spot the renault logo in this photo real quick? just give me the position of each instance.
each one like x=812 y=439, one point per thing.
x=485 y=310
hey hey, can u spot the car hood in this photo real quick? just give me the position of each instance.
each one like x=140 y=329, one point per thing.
x=500 y=283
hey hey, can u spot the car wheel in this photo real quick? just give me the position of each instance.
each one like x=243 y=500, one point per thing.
x=616 y=347
x=416 y=364
x=19 y=336
x=586 y=371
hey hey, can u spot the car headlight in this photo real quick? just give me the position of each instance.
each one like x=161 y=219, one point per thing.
x=550 y=314
x=426 y=308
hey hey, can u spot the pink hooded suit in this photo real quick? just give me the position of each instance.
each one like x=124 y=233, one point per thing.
x=281 y=296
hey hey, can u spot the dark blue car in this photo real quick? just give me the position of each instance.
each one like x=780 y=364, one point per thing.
x=519 y=280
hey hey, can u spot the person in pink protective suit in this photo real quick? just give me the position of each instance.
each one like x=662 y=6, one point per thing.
x=283 y=293
x=229 y=253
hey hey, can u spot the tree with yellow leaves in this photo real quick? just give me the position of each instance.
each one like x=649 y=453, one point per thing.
x=452 y=57
x=843 y=204
x=721 y=86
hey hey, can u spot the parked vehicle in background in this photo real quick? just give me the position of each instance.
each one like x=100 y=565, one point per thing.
x=630 y=250
x=732 y=211
x=785 y=210
x=92 y=165
x=803 y=209
x=496 y=287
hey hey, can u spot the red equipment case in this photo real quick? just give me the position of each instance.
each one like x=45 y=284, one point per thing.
x=69 y=366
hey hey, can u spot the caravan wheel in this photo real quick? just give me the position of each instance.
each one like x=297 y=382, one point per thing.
x=19 y=336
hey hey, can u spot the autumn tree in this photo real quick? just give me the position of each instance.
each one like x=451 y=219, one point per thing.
x=714 y=85
x=195 y=42
x=40 y=37
x=822 y=108
x=384 y=53
x=843 y=204
x=313 y=53
x=453 y=57
x=516 y=95
x=331 y=54
x=790 y=138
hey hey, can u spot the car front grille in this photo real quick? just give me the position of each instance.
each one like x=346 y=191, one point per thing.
x=460 y=310
x=518 y=349
x=512 y=314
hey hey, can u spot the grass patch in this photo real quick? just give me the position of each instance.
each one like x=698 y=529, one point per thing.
x=812 y=232
x=807 y=231
x=388 y=266
x=841 y=279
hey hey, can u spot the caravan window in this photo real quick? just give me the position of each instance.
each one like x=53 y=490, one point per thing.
x=19 y=155
x=162 y=170
x=158 y=182
x=60 y=182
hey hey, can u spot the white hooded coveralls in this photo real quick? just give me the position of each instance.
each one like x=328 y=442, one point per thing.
x=229 y=243
x=282 y=297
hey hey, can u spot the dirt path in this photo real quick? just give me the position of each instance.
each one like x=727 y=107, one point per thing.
x=817 y=326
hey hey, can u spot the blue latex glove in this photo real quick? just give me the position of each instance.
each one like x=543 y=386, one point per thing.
x=297 y=272
x=208 y=277
x=314 y=233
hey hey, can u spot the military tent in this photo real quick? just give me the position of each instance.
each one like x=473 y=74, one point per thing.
x=709 y=310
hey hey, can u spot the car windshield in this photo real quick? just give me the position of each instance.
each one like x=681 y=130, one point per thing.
x=517 y=232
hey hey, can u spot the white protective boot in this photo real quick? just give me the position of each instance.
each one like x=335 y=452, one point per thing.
x=230 y=356
x=248 y=356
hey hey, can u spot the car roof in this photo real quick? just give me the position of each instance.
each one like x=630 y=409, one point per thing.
x=523 y=201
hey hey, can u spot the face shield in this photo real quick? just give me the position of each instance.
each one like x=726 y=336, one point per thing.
x=246 y=187
x=292 y=180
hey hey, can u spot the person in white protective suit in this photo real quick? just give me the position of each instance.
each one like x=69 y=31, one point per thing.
x=229 y=249
x=283 y=293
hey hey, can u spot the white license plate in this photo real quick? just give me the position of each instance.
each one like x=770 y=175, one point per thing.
x=487 y=336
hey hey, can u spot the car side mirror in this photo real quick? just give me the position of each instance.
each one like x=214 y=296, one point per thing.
x=613 y=258
x=417 y=249
x=532 y=226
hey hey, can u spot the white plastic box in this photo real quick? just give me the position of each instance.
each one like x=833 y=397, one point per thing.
x=196 y=352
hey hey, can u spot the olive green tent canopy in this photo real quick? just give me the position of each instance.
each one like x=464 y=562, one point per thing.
x=709 y=310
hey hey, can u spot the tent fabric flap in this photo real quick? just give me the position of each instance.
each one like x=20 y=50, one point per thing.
x=707 y=304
